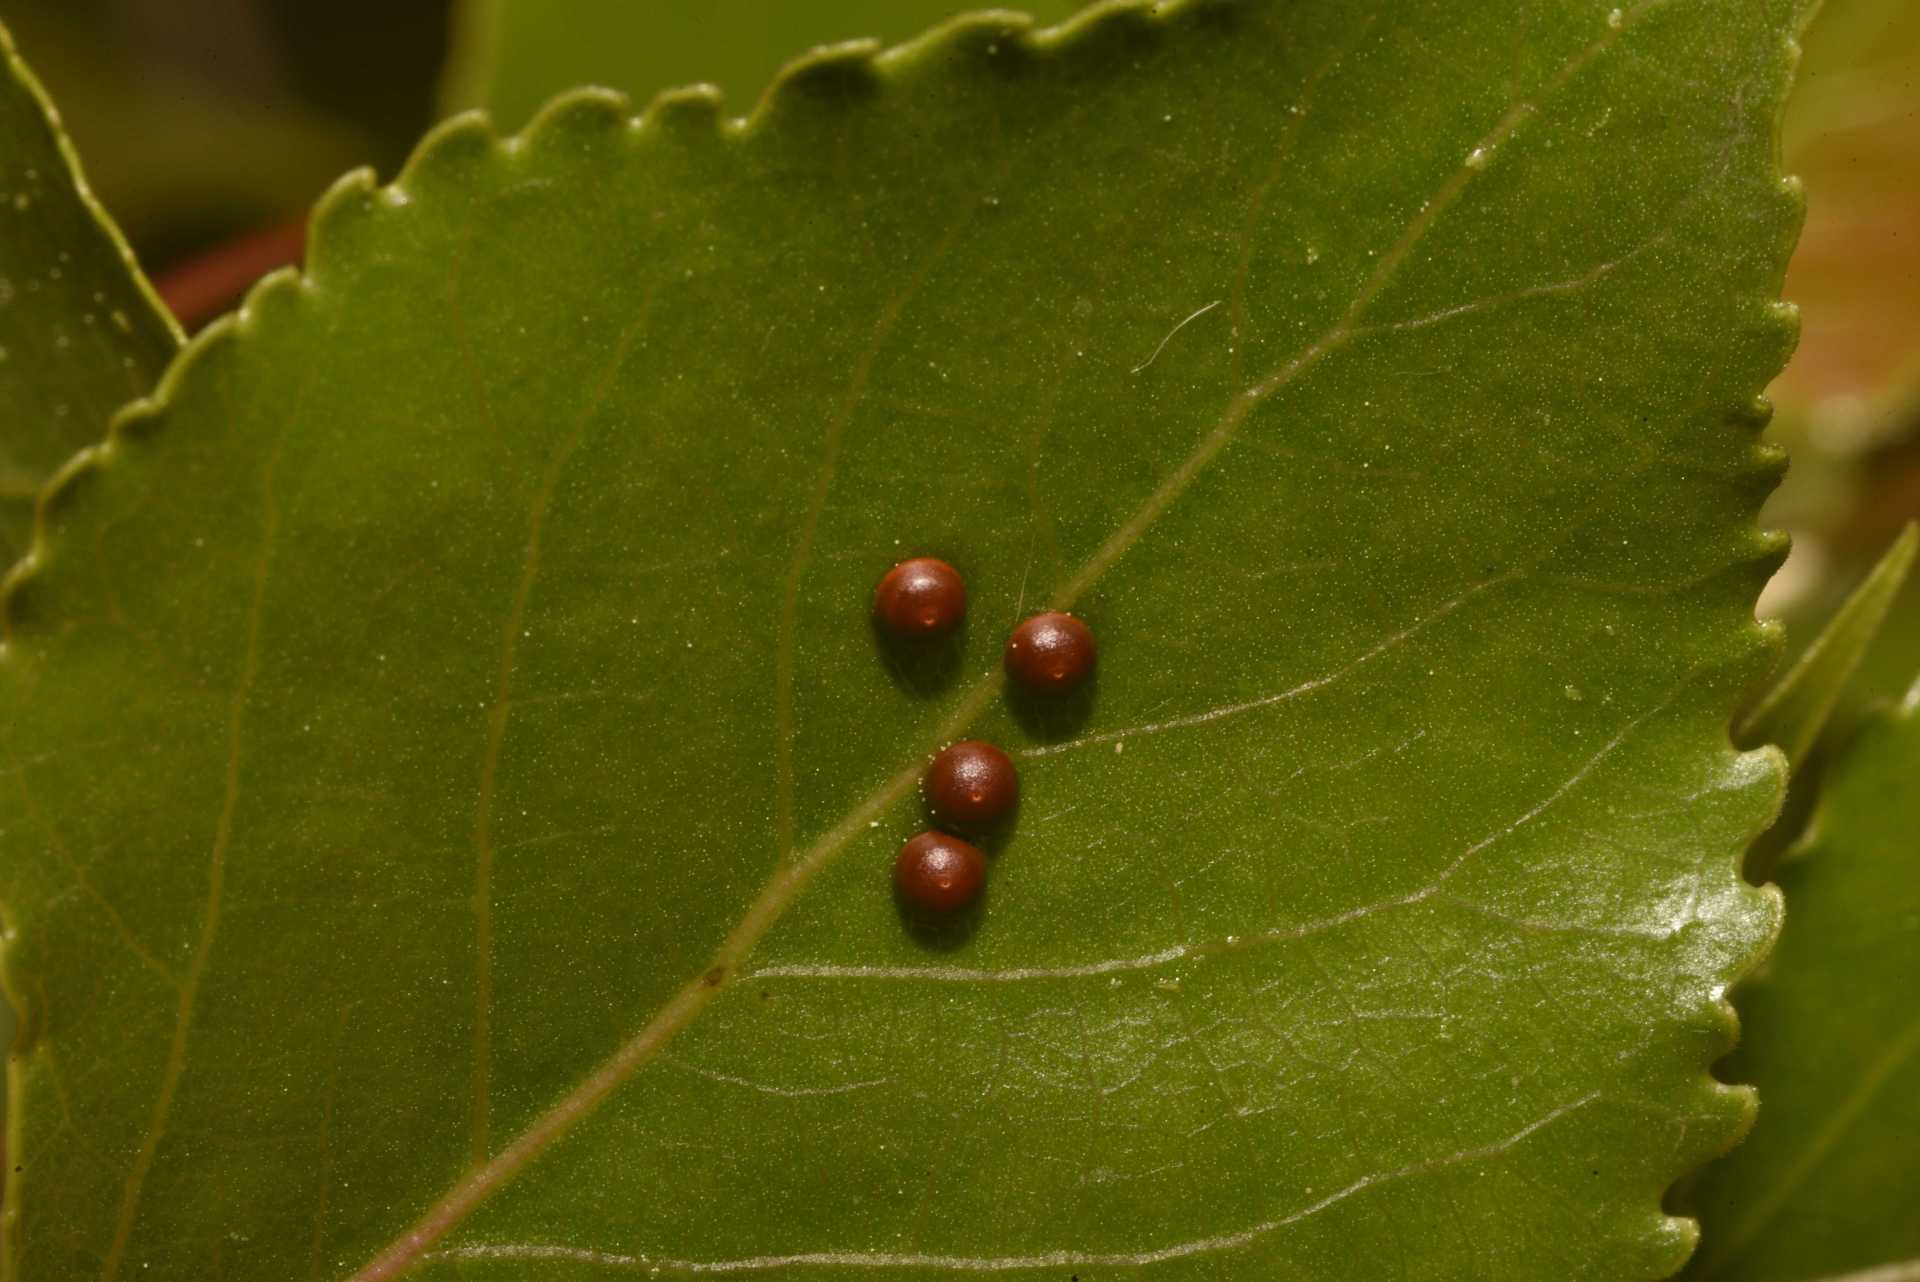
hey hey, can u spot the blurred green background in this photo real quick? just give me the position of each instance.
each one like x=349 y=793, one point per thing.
x=199 y=119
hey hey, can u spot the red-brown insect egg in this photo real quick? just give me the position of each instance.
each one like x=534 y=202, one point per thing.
x=971 y=784
x=1050 y=652
x=939 y=873
x=920 y=598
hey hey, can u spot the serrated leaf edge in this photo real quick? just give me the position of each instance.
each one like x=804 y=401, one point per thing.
x=23 y=74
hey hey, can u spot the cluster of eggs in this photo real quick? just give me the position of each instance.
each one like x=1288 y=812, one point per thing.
x=971 y=785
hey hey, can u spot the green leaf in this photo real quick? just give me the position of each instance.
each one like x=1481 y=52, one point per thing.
x=1792 y=713
x=1825 y=1183
x=81 y=332
x=510 y=56
x=457 y=778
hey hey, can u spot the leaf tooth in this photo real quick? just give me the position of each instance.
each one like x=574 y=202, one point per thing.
x=1756 y=555
x=1783 y=326
x=450 y=155
x=1124 y=29
x=333 y=221
x=829 y=79
x=996 y=38
x=692 y=110
x=578 y=115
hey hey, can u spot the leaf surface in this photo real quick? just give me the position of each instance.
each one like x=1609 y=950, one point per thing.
x=1825 y=1184
x=458 y=779
x=81 y=332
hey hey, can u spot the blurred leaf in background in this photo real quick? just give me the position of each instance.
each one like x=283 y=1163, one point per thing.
x=83 y=331
x=205 y=120
x=1825 y=1184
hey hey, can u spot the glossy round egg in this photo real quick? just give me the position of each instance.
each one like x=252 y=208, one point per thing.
x=1050 y=653
x=971 y=784
x=939 y=873
x=922 y=597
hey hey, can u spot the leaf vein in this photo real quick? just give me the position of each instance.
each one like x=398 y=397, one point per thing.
x=1003 y=1264
x=498 y=713
x=189 y=989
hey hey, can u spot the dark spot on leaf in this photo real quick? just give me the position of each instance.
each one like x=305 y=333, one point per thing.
x=714 y=977
x=1052 y=718
x=921 y=667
